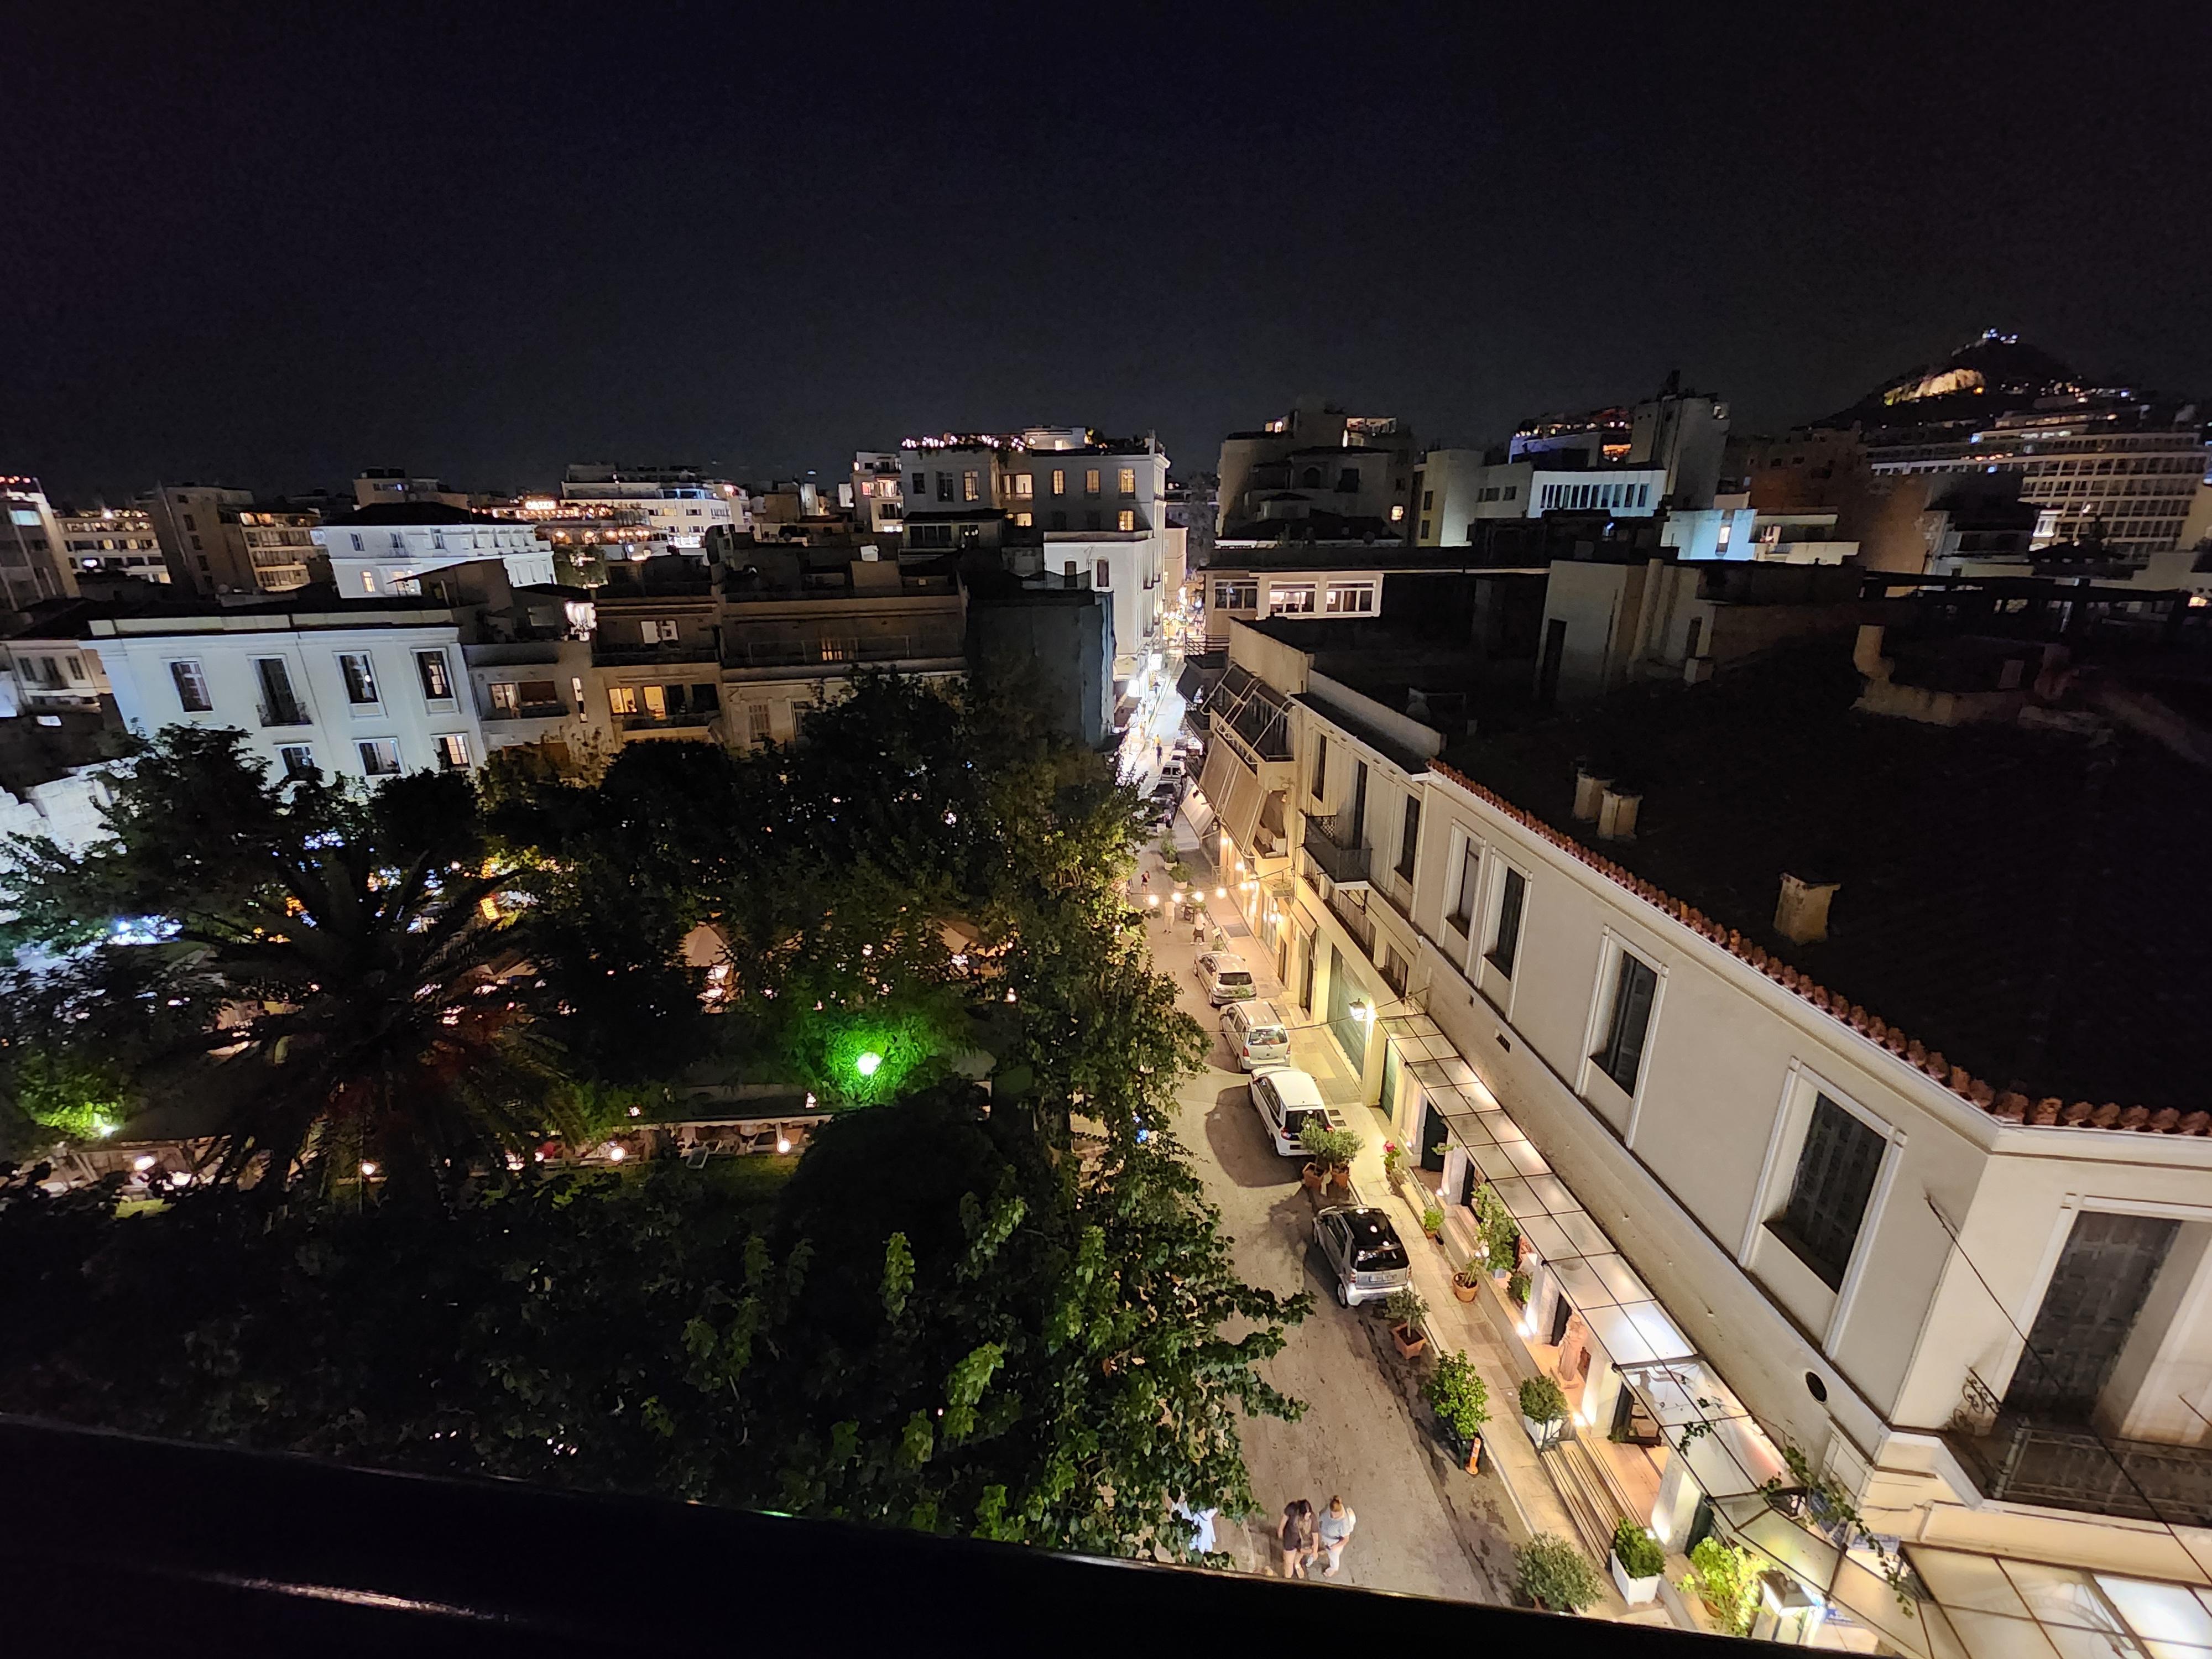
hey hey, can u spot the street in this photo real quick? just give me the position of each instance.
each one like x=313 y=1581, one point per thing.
x=1425 y=1527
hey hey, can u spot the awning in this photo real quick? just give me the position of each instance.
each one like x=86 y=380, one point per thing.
x=1234 y=790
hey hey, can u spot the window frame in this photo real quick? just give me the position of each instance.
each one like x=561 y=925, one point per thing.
x=192 y=668
x=428 y=659
x=1463 y=904
x=1869 y=1144
x=363 y=745
x=375 y=697
x=1409 y=839
x=1508 y=874
x=1617 y=983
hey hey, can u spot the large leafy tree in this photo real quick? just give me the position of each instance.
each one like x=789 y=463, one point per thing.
x=317 y=979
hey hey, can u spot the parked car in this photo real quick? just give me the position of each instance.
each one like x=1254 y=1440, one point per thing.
x=1173 y=772
x=1257 y=1033
x=1363 y=1253
x=1224 y=977
x=1286 y=1098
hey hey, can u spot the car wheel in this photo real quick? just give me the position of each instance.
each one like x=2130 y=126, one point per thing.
x=1343 y=1296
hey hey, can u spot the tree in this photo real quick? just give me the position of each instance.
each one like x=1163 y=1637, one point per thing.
x=327 y=979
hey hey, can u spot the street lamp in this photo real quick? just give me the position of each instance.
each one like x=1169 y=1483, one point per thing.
x=1361 y=1012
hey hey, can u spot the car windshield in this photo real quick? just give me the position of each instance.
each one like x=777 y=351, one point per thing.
x=1235 y=976
x=1294 y=1121
x=1378 y=1258
x=1267 y=1034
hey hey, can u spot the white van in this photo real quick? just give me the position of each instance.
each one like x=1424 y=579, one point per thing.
x=1257 y=1035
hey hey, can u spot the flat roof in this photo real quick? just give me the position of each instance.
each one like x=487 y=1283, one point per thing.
x=2029 y=905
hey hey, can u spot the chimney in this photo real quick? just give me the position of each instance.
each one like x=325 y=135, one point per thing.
x=1589 y=788
x=1801 y=914
x=1616 y=814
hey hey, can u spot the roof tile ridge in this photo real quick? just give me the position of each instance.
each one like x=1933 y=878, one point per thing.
x=2007 y=1106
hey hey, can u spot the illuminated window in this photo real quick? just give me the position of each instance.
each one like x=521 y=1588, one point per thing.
x=437 y=679
x=1125 y=519
x=1024 y=520
x=1296 y=597
x=621 y=700
x=380 y=758
x=970 y=486
x=1350 y=598
x=1398 y=513
x=1128 y=480
x=1025 y=485
x=453 y=752
x=1090 y=476
x=1059 y=481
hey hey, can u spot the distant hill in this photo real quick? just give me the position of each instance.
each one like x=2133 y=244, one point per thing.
x=1980 y=380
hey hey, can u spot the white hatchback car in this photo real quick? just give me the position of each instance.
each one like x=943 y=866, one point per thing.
x=1285 y=1098
x=1226 y=977
x=1255 y=1033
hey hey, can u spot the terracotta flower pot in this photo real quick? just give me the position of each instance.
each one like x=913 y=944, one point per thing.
x=1311 y=1175
x=1410 y=1341
x=1464 y=1292
x=1341 y=1179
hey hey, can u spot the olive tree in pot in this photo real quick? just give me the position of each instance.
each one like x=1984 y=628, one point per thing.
x=1460 y=1400
x=1637 y=1562
x=1543 y=1408
x=1406 y=1310
x=1329 y=1152
x=1553 y=1574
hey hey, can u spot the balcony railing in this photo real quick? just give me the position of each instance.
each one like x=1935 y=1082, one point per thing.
x=831 y=652
x=695 y=719
x=283 y=711
x=1326 y=845
x=1356 y=922
x=2019 y=1457
x=530 y=711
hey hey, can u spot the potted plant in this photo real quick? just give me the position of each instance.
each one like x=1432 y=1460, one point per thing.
x=1460 y=1400
x=1727 y=1581
x=1553 y=1574
x=1467 y=1280
x=1637 y=1562
x=1543 y=1408
x=1501 y=1234
x=1406 y=1310
x=1432 y=1221
x=1517 y=1287
x=1330 y=1150
x=1393 y=1163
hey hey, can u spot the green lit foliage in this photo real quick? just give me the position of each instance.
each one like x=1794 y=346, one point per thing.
x=1542 y=1399
x=1458 y=1396
x=1726 y=1577
x=1637 y=1551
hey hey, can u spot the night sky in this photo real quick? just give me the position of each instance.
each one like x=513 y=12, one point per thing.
x=482 y=241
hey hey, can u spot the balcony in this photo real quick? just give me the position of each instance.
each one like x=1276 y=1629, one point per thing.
x=2016 y=1457
x=675 y=720
x=1356 y=922
x=531 y=711
x=830 y=653
x=1331 y=846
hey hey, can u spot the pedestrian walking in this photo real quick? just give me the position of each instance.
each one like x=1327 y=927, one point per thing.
x=1297 y=1538
x=1155 y=754
x=1333 y=1531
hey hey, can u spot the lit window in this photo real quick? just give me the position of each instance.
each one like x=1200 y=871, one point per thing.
x=1397 y=512
x=1059 y=481
x=380 y=758
x=970 y=486
x=1025 y=485
x=1125 y=519
x=1128 y=480
x=1090 y=476
x=453 y=752
x=359 y=677
x=437 y=679
x=1351 y=599
x=621 y=700
x=1293 y=597
x=1024 y=520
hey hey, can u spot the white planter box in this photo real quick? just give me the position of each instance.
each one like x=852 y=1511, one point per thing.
x=1634 y=1591
x=1541 y=1435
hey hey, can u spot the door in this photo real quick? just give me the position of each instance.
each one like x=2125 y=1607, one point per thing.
x=1305 y=972
x=2088 y=1309
x=1434 y=1135
x=1548 y=670
x=1391 y=1080
x=1350 y=1034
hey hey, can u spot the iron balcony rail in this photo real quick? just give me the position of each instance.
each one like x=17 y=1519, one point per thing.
x=642 y=721
x=530 y=711
x=1344 y=865
x=2022 y=1459
x=830 y=650
x=1356 y=922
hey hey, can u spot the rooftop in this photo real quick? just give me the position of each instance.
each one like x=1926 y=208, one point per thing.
x=2027 y=905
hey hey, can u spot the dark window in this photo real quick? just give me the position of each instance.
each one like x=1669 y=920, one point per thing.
x=1321 y=768
x=921 y=485
x=1633 y=989
x=359 y=677
x=1058 y=521
x=944 y=486
x=1505 y=943
x=1348 y=482
x=191 y=687
x=1409 y=838
x=1310 y=478
x=1828 y=1198
x=1470 y=871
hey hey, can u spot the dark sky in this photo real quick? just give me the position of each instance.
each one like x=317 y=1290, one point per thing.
x=274 y=247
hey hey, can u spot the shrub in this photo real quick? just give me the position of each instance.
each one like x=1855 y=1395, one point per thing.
x=1405 y=1307
x=1518 y=1287
x=1552 y=1573
x=1432 y=1219
x=1334 y=1147
x=1728 y=1580
x=1542 y=1401
x=1637 y=1551
x=1458 y=1396
x=1501 y=1234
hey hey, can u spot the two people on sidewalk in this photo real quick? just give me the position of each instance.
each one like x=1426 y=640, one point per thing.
x=1305 y=1535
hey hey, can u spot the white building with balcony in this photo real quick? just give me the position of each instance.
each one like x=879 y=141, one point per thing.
x=1718 y=1027
x=384 y=550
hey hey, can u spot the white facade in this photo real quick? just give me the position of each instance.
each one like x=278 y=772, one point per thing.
x=1490 y=967
x=376 y=560
x=1458 y=487
x=878 y=491
x=366 y=695
x=677 y=506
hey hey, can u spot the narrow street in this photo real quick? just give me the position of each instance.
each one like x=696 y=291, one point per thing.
x=1425 y=1527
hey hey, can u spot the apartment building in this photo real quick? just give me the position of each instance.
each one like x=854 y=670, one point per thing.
x=679 y=504
x=1317 y=472
x=1339 y=581
x=359 y=691
x=741 y=653
x=390 y=486
x=1797 y=1114
x=217 y=539
x=386 y=549
x=1455 y=489
x=111 y=541
x=878 y=491
x=33 y=564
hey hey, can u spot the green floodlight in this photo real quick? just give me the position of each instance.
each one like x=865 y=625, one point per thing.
x=867 y=1063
